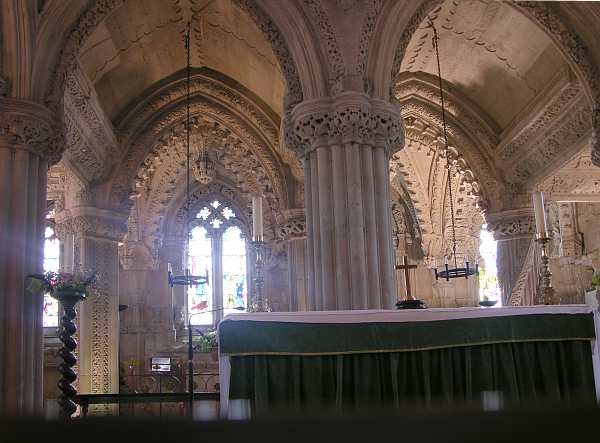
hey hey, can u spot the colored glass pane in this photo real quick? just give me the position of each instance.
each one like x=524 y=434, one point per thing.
x=200 y=263
x=235 y=288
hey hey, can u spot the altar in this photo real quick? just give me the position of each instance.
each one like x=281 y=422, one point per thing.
x=351 y=359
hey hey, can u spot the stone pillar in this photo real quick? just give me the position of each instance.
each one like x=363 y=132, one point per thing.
x=293 y=233
x=345 y=143
x=174 y=253
x=95 y=236
x=28 y=144
x=513 y=230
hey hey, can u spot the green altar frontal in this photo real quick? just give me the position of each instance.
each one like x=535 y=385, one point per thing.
x=302 y=361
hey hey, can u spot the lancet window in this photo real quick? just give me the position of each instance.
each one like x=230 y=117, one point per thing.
x=217 y=248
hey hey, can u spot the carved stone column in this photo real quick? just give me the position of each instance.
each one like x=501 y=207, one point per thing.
x=95 y=234
x=514 y=231
x=293 y=233
x=28 y=145
x=345 y=143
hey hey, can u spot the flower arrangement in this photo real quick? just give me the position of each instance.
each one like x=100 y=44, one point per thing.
x=596 y=280
x=52 y=282
x=206 y=342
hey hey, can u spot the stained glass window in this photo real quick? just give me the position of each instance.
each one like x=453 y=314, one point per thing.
x=235 y=289
x=217 y=239
x=200 y=263
x=51 y=263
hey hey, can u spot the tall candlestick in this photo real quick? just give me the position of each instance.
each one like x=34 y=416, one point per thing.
x=540 y=214
x=257 y=218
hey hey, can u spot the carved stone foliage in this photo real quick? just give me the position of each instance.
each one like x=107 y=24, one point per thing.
x=32 y=127
x=541 y=124
x=66 y=62
x=292 y=229
x=349 y=118
x=512 y=224
x=153 y=146
x=579 y=177
x=328 y=40
x=90 y=225
x=91 y=143
x=578 y=54
x=416 y=20
x=559 y=141
x=160 y=179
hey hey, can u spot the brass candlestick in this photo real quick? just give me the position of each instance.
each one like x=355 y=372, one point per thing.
x=546 y=294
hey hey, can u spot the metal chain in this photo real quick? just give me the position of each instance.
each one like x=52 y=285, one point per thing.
x=448 y=164
x=187 y=136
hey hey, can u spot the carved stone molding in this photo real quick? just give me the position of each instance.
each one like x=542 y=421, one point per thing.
x=409 y=31
x=99 y=226
x=577 y=52
x=66 y=62
x=32 y=127
x=559 y=141
x=293 y=229
x=280 y=49
x=554 y=112
x=168 y=127
x=347 y=118
x=512 y=224
x=328 y=40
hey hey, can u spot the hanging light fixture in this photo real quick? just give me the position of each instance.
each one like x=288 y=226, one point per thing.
x=449 y=272
x=187 y=279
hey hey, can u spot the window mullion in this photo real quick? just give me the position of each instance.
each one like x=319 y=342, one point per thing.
x=217 y=251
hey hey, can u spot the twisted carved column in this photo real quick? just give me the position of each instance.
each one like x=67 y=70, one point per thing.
x=514 y=231
x=28 y=144
x=346 y=143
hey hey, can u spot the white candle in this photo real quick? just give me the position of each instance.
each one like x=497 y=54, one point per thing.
x=540 y=214
x=169 y=268
x=445 y=259
x=257 y=218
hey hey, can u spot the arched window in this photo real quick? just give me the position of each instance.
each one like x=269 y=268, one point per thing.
x=217 y=248
x=51 y=263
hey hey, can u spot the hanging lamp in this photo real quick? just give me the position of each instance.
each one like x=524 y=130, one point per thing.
x=187 y=279
x=448 y=271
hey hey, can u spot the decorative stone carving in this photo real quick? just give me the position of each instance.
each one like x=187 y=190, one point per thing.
x=91 y=225
x=512 y=224
x=580 y=60
x=539 y=126
x=560 y=141
x=167 y=129
x=292 y=229
x=409 y=31
x=32 y=127
x=280 y=49
x=328 y=40
x=86 y=24
x=347 y=117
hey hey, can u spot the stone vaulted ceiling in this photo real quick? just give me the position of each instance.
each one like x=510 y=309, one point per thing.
x=141 y=43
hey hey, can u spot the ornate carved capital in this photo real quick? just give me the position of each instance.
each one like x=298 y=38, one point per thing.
x=347 y=118
x=32 y=127
x=92 y=222
x=512 y=224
